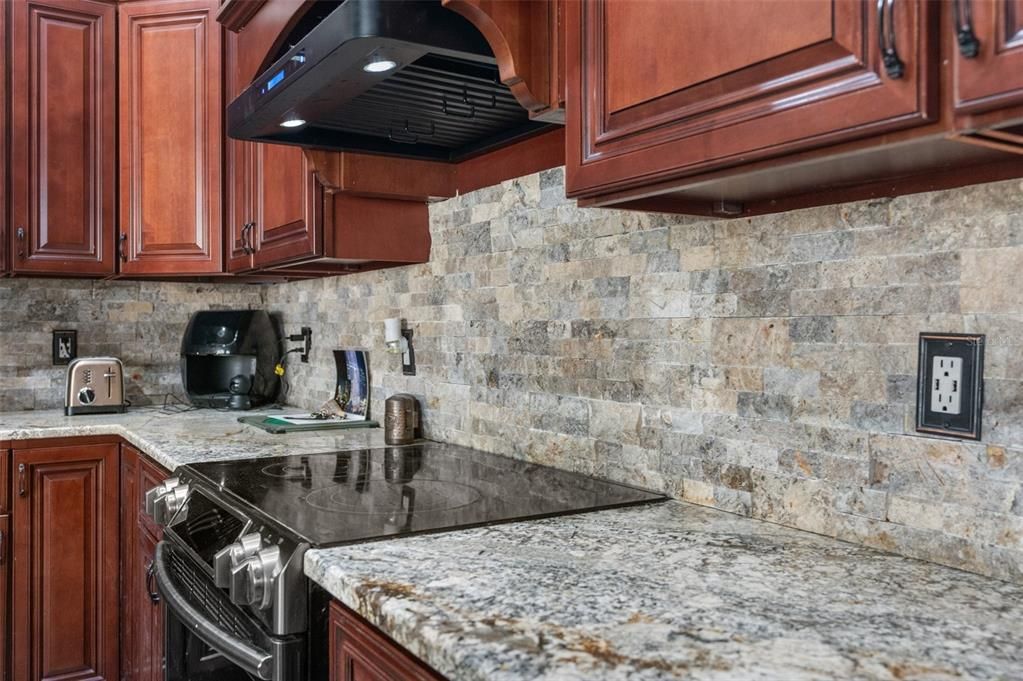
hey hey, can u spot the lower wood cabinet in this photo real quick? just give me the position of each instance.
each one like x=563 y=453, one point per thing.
x=359 y=652
x=142 y=613
x=5 y=575
x=64 y=594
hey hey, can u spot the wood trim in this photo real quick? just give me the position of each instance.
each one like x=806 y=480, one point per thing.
x=5 y=492
x=234 y=14
x=541 y=152
x=78 y=440
x=992 y=139
x=519 y=32
x=382 y=176
x=357 y=644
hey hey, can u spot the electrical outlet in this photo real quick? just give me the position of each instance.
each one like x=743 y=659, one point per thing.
x=946 y=393
x=950 y=385
x=65 y=346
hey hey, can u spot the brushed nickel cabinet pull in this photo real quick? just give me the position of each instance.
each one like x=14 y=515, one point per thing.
x=21 y=242
x=21 y=479
x=962 y=13
x=893 y=65
x=122 y=247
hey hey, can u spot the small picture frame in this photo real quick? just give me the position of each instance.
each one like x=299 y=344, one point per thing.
x=65 y=346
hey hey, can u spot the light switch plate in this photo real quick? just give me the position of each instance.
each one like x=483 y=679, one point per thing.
x=950 y=385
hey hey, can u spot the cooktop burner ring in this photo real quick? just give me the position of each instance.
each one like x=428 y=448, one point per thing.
x=418 y=495
x=287 y=471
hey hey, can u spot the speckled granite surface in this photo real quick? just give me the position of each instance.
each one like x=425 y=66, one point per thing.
x=674 y=591
x=176 y=438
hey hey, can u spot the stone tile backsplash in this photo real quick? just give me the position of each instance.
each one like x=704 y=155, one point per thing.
x=139 y=322
x=764 y=366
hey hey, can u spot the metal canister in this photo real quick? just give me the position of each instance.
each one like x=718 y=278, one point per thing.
x=401 y=419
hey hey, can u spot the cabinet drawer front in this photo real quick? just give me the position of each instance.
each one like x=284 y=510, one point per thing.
x=662 y=89
x=994 y=78
x=62 y=143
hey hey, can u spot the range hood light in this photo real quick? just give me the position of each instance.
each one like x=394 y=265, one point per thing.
x=379 y=65
x=293 y=122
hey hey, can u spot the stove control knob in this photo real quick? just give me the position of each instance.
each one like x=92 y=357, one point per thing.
x=165 y=506
x=155 y=493
x=232 y=556
x=238 y=587
x=262 y=569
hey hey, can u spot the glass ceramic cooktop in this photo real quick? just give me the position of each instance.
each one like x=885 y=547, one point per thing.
x=341 y=497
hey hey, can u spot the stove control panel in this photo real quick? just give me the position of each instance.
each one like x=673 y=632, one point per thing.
x=262 y=570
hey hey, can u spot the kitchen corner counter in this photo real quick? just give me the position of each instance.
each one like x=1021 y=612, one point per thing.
x=671 y=591
x=173 y=438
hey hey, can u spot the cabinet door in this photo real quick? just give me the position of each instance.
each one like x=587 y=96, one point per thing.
x=289 y=221
x=239 y=240
x=62 y=139
x=171 y=127
x=129 y=498
x=65 y=572
x=148 y=612
x=658 y=89
x=994 y=77
x=4 y=164
x=358 y=652
x=5 y=562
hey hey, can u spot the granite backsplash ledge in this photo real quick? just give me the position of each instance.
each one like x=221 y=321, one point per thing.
x=763 y=366
x=140 y=322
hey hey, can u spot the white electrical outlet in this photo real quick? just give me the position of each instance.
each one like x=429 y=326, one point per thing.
x=947 y=387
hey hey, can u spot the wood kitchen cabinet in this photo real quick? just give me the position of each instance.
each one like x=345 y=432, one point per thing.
x=758 y=80
x=4 y=161
x=142 y=614
x=5 y=575
x=64 y=596
x=171 y=130
x=62 y=139
x=832 y=101
x=988 y=67
x=359 y=652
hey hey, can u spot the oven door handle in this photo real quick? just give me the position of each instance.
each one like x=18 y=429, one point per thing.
x=257 y=662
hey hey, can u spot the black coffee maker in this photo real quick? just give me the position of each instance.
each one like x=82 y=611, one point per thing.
x=228 y=359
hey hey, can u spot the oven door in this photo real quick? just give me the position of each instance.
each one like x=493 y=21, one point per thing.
x=209 y=638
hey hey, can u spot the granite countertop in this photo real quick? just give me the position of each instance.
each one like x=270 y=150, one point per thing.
x=672 y=591
x=173 y=437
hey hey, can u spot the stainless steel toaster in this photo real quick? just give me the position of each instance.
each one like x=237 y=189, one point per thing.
x=95 y=385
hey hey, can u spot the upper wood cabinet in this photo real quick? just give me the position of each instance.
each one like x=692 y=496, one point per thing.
x=65 y=570
x=4 y=161
x=171 y=130
x=995 y=52
x=659 y=89
x=289 y=206
x=63 y=147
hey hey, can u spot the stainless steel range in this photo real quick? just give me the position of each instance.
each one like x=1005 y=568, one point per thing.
x=230 y=567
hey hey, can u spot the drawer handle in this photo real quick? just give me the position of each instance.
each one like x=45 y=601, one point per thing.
x=154 y=595
x=893 y=65
x=21 y=479
x=969 y=46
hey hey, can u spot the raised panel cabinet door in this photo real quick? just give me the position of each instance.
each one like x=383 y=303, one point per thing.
x=358 y=652
x=659 y=89
x=149 y=610
x=289 y=218
x=5 y=571
x=4 y=164
x=992 y=77
x=171 y=132
x=64 y=594
x=63 y=146
x=128 y=502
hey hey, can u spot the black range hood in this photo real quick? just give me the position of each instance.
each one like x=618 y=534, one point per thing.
x=335 y=85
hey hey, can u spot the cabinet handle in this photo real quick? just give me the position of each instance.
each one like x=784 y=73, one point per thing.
x=20 y=233
x=893 y=66
x=1 y=546
x=969 y=46
x=122 y=247
x=21 y=479
x=154 y=595
x=247 y=247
